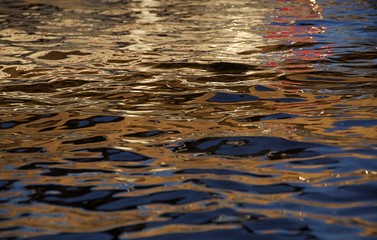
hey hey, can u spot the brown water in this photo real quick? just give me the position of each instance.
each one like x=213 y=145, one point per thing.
x=168 y=119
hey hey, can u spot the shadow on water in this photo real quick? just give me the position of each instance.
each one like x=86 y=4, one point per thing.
x=270 y=147
x=154 y=119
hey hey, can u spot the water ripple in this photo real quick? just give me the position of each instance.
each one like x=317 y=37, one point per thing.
x=151 y=119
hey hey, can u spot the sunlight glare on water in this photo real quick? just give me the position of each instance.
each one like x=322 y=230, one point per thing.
x=168 y=119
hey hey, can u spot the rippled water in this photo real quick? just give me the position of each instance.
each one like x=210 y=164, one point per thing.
x=169 y=119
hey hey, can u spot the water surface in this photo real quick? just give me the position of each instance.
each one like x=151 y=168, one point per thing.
x=166 y=119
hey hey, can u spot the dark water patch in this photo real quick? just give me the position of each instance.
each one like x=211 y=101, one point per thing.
x=220 y=234
x=220 y=67
x=281 y=47
x=12 y=10
x=36 y=7
x=153 y=133
x=119 y=61
x=146 y=186
x=287 y=100
x=97 y=93
x=285 y=224
x=76 y=236
x=86 y=140
x=8 y=229
x=226 y=234
x=365 y=192
x=59 y=55
x=26 y=150
x=221 y=78
x=355 y=57
x=44 y=87
x=231 y=98
x=47 y=129
x=347 y=124
x=83 y=94
x=368 y=152
x=57 y=172
x=221 y=97
x=38 y=165
x=301 y=228
x=227 y=172
x=229 y=67
x=134 y=166
x=175 y=65
x=91 y=121
x=110 y=154
x=11 y=124
x=267 y=117
x=251 y=188
x=262 y=88
x=38 y=117
x=272 y=148
x=304 y=228
x=80 y=197
x=214 y=234
x=364 y=212
x=69 y=83
x=133 y=228
x=217 y=216
x=144 y=174
x=6 y=184
x=174 y=197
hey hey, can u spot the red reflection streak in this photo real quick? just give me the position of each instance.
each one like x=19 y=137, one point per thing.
x=284 y=30
x=293 y=32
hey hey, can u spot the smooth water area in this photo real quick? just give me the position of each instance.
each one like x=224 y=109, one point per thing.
x=170 y=119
